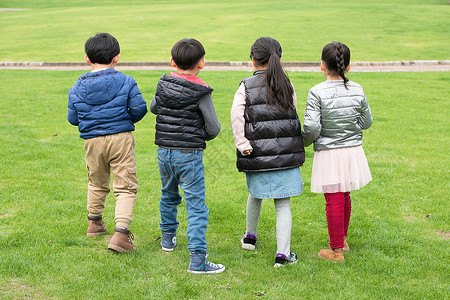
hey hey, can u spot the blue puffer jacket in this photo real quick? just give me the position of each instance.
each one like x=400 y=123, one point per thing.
x=105 y=102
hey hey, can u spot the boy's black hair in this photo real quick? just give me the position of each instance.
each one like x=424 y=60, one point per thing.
x=267 y=51
x=101 y=48
x=186 y=53
x=336 y=57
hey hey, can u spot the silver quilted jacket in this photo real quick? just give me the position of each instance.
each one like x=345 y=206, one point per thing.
x=335 y=116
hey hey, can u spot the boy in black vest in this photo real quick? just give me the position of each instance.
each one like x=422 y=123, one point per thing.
x=185 y=120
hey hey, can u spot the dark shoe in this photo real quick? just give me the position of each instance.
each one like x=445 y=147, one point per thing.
x=248 y=241
x=282 y=260
x=332 y=254
x=96 y=226
x=169 y=241
x=122 y=241
x=200 y=265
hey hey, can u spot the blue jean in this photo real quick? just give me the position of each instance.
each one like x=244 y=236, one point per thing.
x=183 y=168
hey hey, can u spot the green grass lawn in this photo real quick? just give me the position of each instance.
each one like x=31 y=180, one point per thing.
x=374 y=30
x=399 y=230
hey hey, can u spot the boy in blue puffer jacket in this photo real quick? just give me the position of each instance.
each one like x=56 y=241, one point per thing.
x=105 y=104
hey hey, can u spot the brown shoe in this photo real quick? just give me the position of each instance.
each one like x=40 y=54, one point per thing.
x=346 y=247
x=333 y=255
x=122 y=241
x=96 y=226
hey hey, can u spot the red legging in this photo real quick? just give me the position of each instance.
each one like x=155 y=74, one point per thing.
x=338 y=209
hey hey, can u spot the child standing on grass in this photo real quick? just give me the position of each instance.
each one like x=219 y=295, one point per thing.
x=185 y=120
x=336 y=113
x=267 y=134
x=105 y=104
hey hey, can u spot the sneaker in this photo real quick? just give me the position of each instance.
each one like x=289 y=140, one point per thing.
x=96 y=226
x=169 y=241
x=332 y=254
x=282 y=260
x=248 y=241
x=200 y=265
x=122 y=241
x=346 y=247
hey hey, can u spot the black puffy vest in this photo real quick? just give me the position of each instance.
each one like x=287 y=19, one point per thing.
x=179 y=121
x=275 y=135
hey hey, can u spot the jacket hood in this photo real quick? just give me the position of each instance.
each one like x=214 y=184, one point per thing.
x=99 y=87
x=179 y=92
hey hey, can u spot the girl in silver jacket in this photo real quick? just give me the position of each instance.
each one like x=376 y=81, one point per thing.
x=336 y=113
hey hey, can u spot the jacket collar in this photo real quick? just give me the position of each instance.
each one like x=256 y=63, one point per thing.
x=258 y=72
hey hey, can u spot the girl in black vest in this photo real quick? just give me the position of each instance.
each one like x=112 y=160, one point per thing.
x=267 y=134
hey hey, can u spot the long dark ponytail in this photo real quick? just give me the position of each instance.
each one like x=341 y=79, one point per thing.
x=267 y=51
x=336 y=57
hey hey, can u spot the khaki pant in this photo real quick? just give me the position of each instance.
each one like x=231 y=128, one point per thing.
x=112 y=154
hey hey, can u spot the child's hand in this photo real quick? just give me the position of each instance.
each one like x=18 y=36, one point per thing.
x=247 y=152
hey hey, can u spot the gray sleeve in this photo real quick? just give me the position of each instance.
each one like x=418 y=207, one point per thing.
x=312 y=125
x=212 y=124
x=154 y=106
x=366 y=119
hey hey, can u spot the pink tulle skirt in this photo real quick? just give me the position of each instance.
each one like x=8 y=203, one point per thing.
x=339 y=170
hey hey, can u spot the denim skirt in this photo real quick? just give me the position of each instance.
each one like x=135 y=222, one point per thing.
x=275 y=184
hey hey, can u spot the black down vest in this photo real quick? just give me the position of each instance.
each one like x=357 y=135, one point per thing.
x=275 y=135
x=179 y=121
